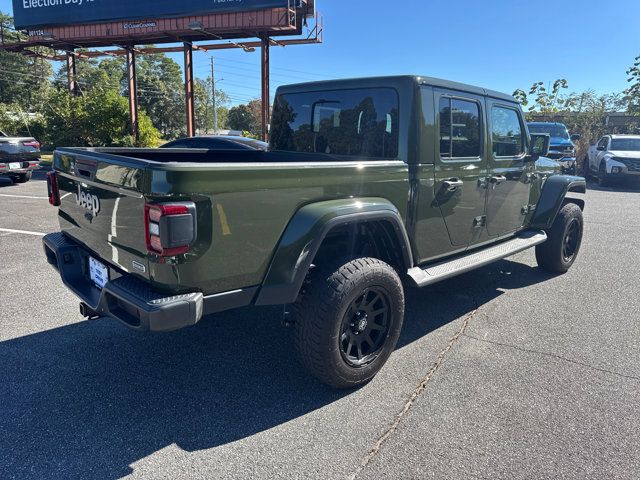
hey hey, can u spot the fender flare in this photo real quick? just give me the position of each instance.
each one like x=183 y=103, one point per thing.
x=305 y=233
x=554 y=193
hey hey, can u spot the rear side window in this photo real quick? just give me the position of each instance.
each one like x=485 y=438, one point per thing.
x=354 y=123
x=506 y=132
x=460 y=130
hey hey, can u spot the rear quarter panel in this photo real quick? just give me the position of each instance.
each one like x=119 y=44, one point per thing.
x=244 y=210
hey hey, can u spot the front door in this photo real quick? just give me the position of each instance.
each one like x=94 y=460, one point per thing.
x=508 y=185
x=461 y=166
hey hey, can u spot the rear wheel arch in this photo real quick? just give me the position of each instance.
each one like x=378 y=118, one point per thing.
x=378 y=232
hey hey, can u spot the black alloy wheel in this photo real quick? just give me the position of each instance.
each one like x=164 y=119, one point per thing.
x=365 y=327
x=571 y=240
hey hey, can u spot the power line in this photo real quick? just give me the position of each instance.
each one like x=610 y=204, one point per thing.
x=278 y=68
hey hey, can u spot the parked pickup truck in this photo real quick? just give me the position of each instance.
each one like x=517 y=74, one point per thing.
x=561 y=149
x=369 y=186
x=614 y=158
x=19 y=157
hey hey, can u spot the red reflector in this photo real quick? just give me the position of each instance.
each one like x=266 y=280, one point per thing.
x=155 y=243
x=52 y=187
x=32 y=144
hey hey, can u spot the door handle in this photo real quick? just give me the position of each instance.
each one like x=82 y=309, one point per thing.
x=453 y=184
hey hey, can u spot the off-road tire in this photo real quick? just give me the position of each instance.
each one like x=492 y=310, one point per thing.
x=559 y=252
x=603 y=181
x=586 y=169
x=322 y=308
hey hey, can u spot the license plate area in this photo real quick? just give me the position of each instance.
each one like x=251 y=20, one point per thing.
x=98 y=273
x=15 y=166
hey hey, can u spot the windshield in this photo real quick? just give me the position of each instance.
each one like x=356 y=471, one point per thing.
x=626 y=144
x=356 y=123
x=554 y=130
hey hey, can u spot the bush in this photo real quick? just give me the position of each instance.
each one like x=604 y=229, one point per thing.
x=100 y=119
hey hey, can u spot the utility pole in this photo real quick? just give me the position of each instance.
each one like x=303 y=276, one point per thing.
x=213 y=97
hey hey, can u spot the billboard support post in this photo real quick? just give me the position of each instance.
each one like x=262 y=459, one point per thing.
x=72 y=81
x=188 y=88
x=266 y=110
x=133 y=93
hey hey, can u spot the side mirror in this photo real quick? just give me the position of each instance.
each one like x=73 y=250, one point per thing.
x=539 y=146
x=575 y=137
x=601 y=148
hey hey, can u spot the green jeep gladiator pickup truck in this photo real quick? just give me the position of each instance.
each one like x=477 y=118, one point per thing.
x=369 y=186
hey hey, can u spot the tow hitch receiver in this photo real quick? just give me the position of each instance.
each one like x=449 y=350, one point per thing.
x=87 y=312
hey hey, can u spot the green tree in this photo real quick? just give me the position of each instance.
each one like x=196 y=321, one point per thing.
x=204 y=106
x=544 y=101
x=633 y=92
x=23 y=80
x=161 y=93
x=247 y=118
x=99 y=119
x=109 y=73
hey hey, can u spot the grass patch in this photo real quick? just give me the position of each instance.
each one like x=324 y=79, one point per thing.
x=46 y=159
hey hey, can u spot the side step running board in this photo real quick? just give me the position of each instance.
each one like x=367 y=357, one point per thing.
x=447 y=269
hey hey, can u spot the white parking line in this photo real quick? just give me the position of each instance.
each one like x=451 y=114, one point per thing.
x=23 y=196
x=23 y=232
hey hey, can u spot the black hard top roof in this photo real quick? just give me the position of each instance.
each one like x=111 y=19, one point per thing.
x=395 y=81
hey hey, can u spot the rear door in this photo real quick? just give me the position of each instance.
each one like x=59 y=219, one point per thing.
x=509 y=182
x=102 y=207
x=461 y=166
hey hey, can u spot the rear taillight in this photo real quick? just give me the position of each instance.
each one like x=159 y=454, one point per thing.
x=34 y=144
x=170 y=228
x=52 y=187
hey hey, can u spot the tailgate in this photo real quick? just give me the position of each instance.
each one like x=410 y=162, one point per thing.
x=102 y=207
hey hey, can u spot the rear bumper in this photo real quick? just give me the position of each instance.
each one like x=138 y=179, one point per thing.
x=131 y=300
x=26 y=165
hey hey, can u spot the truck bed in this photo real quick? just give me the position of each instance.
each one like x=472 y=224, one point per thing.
x=245 y=200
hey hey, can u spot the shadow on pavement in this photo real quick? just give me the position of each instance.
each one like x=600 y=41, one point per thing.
x=622 y=187
x=89 y=399
x=37 y=176
x=5 y=181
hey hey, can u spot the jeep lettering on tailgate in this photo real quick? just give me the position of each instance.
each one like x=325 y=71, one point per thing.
x=88 y=201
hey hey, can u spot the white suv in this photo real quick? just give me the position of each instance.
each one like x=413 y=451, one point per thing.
x=614 y=157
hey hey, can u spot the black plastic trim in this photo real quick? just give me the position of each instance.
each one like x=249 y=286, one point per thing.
x=131 y=300
x=288 y=293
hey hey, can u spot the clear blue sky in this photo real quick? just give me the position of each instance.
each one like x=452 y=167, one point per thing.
x=498 y=44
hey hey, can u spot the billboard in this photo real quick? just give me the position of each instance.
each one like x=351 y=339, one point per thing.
x=30 y=14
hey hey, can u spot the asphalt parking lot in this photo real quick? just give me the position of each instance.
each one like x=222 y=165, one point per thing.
x=506 y=372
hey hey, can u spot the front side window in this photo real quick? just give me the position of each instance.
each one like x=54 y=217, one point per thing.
x=603 y=142
x=460 y=132
x=506 y=132
x=354 y=123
